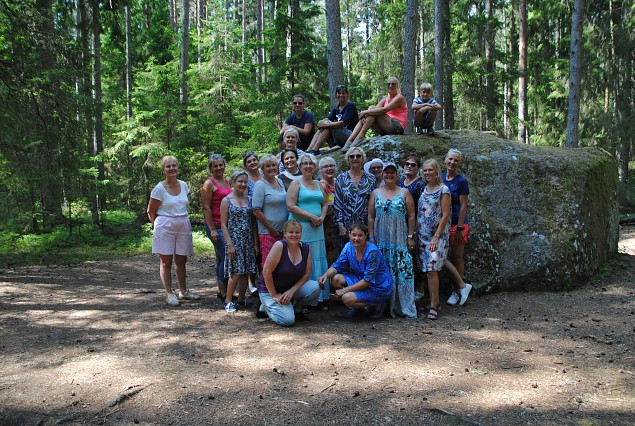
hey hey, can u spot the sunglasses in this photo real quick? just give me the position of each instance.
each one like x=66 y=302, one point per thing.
x=352 y=156
x=391 y=84
x=340 y=87
x=409 y=164
x=298 y=103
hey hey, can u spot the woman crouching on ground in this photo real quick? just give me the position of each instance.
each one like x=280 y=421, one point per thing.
x=284 y=286
x=360 y=275
x=172 y=235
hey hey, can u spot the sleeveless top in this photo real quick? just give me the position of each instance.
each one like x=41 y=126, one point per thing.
x=400 y=113
x=286 y=273
x=217 y=197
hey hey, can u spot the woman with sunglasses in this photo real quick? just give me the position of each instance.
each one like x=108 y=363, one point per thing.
x=388 y=117
x=411 y=179
x=392 y=223
x=352 y=191
x=300 y=120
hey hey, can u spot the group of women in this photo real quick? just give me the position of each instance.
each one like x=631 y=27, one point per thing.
x=371 y=228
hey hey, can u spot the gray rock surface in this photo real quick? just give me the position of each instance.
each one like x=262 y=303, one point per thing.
x=540 y=217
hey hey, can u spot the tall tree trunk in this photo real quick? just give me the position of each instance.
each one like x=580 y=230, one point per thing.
x=99 y=202
x=439 y=57
x=409 y=57
x=185 y=41
x=522 y=72
x=490 y=90
x=448 y=75
x=173 y=15
x=509 y=86
x=200 y=21
x=128 y=63
x=573 y=116
x=335 y=68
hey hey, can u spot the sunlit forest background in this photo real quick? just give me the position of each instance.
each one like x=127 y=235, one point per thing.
x=93 y=93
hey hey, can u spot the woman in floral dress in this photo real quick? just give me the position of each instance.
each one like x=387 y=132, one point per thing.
x=433 y=224
x=391 y=222
x=239 y=229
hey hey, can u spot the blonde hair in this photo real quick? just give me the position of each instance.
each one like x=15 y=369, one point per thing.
x=166 y=159
x=356 y=148
x=437 y=167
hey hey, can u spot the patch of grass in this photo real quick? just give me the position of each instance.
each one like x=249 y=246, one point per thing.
x=122 y=235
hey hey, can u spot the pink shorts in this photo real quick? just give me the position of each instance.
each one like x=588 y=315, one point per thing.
x=466 y=229
x=172 y=235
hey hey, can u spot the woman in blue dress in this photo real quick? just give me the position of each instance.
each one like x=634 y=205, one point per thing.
x=360 y=275
x=391 y=222
x=307 y=202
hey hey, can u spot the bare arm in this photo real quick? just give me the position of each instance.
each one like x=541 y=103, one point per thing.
x=371 y=215
x=207 y=193
x=153 y=205
x=224 y=213
x=412 y=220
x=292 y=203
x=446 y=206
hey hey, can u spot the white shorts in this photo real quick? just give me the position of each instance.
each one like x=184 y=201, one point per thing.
x=172 y=235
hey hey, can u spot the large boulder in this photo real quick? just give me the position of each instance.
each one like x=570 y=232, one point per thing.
x=540 y=217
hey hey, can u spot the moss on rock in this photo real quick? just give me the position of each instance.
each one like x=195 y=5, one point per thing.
x=540 y=217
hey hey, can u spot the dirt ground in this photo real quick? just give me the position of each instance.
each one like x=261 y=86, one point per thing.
x=96 y=344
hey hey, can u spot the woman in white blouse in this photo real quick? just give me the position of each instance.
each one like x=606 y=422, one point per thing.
x=172 y=235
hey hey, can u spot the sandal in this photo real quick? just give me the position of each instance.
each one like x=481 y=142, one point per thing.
x=433 y=314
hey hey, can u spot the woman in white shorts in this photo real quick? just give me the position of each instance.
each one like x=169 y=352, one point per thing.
x=172 y=235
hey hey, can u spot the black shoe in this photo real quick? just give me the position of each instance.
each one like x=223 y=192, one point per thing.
x=299 y=316
x=261 y=314
x=430 y=131
x=420 y=131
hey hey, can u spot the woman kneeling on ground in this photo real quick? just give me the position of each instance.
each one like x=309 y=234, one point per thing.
x=284 y=286
x=360 y=275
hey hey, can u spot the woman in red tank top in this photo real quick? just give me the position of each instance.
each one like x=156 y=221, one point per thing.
x=215 y=188
x=388 y=117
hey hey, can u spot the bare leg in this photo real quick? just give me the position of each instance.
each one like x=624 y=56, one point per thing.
x=231 y=287
x=454 y=273
x=383 y=124
x=165 y=271
x=318 y=139
x=350 y=300
x=180 y=271
x=457 y=258
x=242 y=287
x=433 y=288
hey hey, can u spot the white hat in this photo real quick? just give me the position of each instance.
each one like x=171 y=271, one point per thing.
x=374 y=160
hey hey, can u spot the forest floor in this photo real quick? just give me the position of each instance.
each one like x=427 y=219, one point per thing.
x=95 y=343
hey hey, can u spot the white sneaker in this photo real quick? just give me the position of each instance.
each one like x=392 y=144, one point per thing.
x=189 y=295
x=230 y=307
x=453 y=299
x=172 y=300
x=465 y=292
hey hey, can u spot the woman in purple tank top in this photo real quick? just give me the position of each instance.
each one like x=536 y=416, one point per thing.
x=284 y=286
